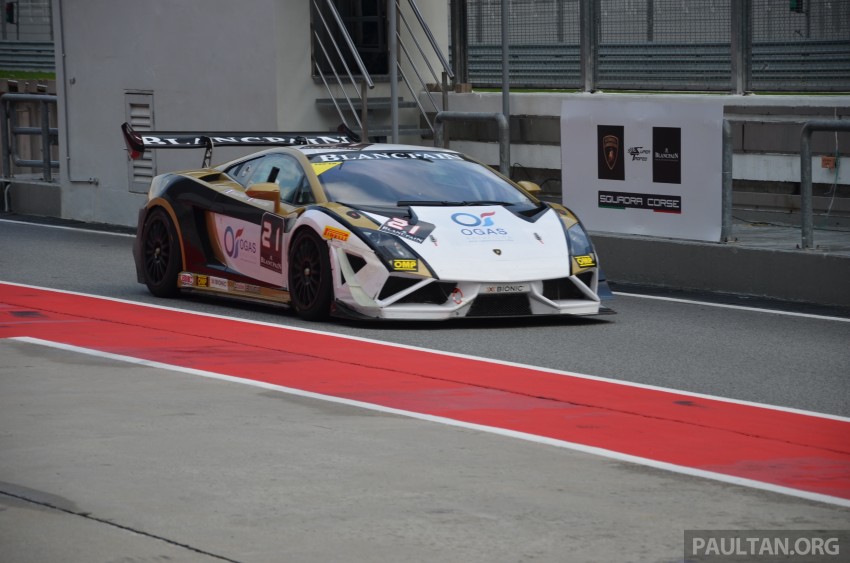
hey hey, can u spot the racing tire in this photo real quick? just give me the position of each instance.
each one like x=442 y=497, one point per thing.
x=162 y=258
x=310 y=276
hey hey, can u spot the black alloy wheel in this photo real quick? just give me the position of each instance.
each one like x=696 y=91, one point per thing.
x=161 y=254
x=310 y=276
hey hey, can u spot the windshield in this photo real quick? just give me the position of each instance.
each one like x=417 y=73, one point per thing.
x=375 y=178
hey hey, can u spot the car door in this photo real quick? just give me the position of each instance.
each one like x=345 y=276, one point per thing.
x=248 y=231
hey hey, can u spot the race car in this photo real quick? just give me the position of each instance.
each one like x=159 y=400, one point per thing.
x=330 y=226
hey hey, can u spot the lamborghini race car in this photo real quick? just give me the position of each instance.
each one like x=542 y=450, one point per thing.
x=331 y=227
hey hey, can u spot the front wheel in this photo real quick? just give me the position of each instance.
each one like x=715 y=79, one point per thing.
x=310 y=276
x=161 y=254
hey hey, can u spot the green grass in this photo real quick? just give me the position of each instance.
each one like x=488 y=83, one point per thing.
x=26 y=75
x=712 y=92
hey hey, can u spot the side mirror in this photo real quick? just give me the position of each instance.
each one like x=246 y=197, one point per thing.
x=266 y=191
x=530 y=187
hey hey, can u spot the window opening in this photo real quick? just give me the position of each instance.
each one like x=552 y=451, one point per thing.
x=366 y=22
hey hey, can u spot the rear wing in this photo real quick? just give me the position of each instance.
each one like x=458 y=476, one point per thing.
x=137 y=143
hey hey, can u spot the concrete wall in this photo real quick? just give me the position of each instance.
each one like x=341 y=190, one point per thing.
x=210 y=65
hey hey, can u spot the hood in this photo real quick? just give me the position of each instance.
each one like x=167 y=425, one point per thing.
x=489 y=243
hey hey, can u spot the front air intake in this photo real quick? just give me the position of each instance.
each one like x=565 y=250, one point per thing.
x=561 y=289
x=500 y=306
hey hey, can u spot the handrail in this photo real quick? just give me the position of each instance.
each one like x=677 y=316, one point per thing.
x=431 y=39
x=422 y=82
x=349 y=42
x=413 y=93
x=396 y=39
x=327 y=58
x=338 y=81
x=726 y=193
x=366 y=81
x=806 y=222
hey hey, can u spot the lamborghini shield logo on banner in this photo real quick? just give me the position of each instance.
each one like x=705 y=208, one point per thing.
x=611 y=147
x=609 y=141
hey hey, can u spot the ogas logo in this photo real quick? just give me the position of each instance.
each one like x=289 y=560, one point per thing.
x=233 y=243
x=480 y=225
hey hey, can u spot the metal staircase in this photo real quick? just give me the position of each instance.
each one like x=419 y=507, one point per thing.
x=339 y=65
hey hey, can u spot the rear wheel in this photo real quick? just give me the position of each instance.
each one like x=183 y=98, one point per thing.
x=310 y=276
x=161 y=254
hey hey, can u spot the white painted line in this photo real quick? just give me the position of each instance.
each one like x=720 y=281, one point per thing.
x=738 y=307
x=455 y=355
x=67 y=228
x=610 y=454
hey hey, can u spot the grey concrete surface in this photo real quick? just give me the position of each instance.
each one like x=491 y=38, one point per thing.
x=101 y=460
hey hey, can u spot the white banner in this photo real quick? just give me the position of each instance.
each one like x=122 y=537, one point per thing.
x=644 y=166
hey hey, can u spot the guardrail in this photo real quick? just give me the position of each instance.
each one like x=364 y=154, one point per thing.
x=806 y=202
x=806 y=220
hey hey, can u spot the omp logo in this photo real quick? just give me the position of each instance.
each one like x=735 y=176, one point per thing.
x=585 y=261
x=469 y=220
x=405 y=265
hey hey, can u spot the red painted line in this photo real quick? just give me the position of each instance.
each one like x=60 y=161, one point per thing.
x=787 y=449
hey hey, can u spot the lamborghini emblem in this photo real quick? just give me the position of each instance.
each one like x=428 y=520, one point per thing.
x=611 y=149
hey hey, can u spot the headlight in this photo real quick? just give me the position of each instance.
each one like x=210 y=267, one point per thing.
x=579 y=241
x=388 y=247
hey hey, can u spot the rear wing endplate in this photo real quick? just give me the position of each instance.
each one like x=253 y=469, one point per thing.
x=137 y=143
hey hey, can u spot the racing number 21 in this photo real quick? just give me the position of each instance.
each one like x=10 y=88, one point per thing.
x=402 y=225
x=272 y=233
x=271 y=242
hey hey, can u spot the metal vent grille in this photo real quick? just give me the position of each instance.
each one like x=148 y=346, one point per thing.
x=140 y=116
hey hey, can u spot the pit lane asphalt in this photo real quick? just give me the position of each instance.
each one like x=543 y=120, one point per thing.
x=105 y=461
x=793 y=361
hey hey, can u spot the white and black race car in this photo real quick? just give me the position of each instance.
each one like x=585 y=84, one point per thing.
x=359 y=230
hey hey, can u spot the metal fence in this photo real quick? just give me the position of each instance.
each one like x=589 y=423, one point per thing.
x=26 y=20
x=707 y=45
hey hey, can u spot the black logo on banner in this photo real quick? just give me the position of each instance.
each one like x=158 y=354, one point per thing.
x=610 y=152
x=667 y=155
